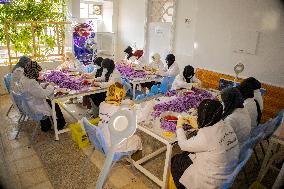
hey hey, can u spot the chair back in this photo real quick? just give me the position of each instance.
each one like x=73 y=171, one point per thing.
x=250 y=144
x=95 y=136
x=154 y=89
x=229 y=182
x=21 y=100
x=261 y=128
x=166 y=84
x=7 y=80
x=17 y=101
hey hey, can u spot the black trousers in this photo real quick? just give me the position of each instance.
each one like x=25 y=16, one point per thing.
x=46 y=124
x=98 y=98
x=179 y=163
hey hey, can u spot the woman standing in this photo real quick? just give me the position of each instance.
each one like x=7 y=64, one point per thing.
x=210 y=156
x=235 y=114
x=172 y=66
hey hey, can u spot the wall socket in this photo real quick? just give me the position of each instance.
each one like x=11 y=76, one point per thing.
x=187 y=20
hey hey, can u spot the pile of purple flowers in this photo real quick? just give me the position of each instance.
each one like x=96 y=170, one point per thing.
x=171 y=125
x=130 y=73
x=182 y=103
x=64 y=80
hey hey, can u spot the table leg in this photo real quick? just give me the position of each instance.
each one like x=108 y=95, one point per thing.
x=264 y=165
x=166 y=167
x=133 y=91
x=54 y=120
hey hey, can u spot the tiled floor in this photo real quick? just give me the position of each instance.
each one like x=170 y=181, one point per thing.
x=58 y=164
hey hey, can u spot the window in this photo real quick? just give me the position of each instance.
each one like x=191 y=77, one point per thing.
x=90 y=10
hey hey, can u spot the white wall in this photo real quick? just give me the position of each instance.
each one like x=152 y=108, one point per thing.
x=213 y=23
x=130 y=25
x=217 y=21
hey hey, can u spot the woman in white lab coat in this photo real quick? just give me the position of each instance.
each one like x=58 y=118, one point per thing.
x=210 y=156
x=252 y=105
x=18 y=72
x=37 y=95
x=107 y=76
x=157 y=64
x=112 y=103
x=186 y=79
x=172 y=66
x=235 y=114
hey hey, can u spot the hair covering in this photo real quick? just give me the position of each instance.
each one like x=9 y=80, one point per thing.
x=188 y=73
x=129 y=52
x=22 y=62
x=98 y=61
x=138 y=54
x=32 y=70
x=209 y=112
x=115 y=94
x=232 y=99
x=109 y=65
x=253 y=83
x=246 y=89
x=156 y=57
x=170 y=59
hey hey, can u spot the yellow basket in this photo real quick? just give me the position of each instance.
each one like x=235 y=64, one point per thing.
x=79 y=135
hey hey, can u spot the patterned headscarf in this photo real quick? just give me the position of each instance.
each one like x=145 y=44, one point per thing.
x=129 y=52
x=115 y=94
x=232 y=99
x=32 y=70
x=22 y=62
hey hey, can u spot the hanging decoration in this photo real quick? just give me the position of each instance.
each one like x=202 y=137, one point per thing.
x=85 y=45
x=5 y=1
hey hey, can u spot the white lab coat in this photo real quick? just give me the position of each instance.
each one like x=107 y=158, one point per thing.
x=240 y=121
x=16 y=76
x=216 y=151
x=173 y=70
x=250 y=105
x=106 y=110
x=113 y=78
x=258 y=97
x=180 y=82
x=37 y=95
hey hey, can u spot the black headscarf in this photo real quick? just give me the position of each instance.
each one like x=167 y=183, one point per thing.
x=129 y=52
x=32 y=70
x=254 y=83
x=109 y=65
x=24 y=60
x=209 y=112
x=170 y=59
x=98 y=61
x=232 y=99
x=188 y=73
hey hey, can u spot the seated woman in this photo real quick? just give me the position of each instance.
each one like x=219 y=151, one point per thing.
x=70 y=63
x=235 y=114
x=157 y=64
x=186 y=79
x=29 y=85
x=250 y=103
x=256 y=86
x=172 y=67
x=105 y=77
x=210 y=156
x=18 y=72
x=114 y=99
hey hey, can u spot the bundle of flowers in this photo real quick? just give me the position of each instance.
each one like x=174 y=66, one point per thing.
x=129 y=72
x=64 y=80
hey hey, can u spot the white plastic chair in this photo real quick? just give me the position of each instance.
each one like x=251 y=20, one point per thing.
x=122 y=125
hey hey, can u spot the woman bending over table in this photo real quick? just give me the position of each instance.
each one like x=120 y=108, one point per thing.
x=235 y=114
x=104 y=78
x=210 y=156
x=186 y=79
x=37 y=95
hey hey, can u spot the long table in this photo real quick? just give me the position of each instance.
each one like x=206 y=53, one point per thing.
x=59 y=99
